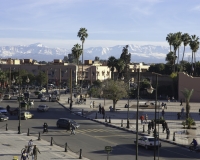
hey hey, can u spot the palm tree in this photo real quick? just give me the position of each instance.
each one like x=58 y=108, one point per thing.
x=169 y=39
x=187 y=95
x=82 y=34
x=194 y=46
x=77 y=51
x=3 y=78
x=111 y=64
x=170 y=58
x=186 y=40
x=179 y=41
x=120 y=65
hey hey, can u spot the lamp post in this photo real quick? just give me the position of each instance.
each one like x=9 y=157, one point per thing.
x=155 y=114
x=19 y=127
x=128 y=124
x=138 y=93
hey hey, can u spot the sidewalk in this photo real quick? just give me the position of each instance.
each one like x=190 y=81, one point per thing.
x=175 y=126
x=12 y=144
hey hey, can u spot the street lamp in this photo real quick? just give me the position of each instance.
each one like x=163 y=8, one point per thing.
x=19 y=127
x=149 y=90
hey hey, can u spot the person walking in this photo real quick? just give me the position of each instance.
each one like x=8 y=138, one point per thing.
x=100 y=108
x=30 y=146
x=103 y=112
x=73 y=129
x=68 y=100
x=152 y=124
x=24 y=155
x=163 y=113
x=163 y=126
x=146 y=118
x=182 y=111
x=141 y=118
x=91 y=104
x=49 y=97
x=178 y=115
x=149 y=126
x=35 y=151
x=181 y=102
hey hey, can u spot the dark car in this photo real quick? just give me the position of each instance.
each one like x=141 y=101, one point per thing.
x=65 y=123
x=42 y=108
x=3 y=111
x=3 y=117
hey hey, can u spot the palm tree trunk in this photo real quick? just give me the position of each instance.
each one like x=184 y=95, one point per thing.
x=183 y=53
x=82 y=69
x=178 y=56
x=192 y=64
x=174 y=60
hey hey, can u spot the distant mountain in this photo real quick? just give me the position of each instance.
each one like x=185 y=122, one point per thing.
x=143 y=53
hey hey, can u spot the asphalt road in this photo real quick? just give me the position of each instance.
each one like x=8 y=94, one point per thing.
x=91 y=137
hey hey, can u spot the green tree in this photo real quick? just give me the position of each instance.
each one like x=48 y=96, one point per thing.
x=111 y=64
x=171 y=58
x=186 y=40
x=114 y=90
x=194 y=46
x=126 y=57
x=119 y=65
x=77 y=51
x=82 y=34
x=187 y=95
x=169 y=39
x=41 y=78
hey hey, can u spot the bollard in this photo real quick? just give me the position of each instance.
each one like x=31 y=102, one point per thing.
x=80 y=156
x=82 y=112
x=106 y=119
x=174 y=139
x=39 y=137
x=28 y=132
x=6 y=127
x=96 y=116
x=127 y=126
x=122 y=123
x=51 y=141
x=109 y=120
x=143 y=128
x=65 y=147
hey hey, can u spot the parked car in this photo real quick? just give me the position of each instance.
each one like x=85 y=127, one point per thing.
x=54 y=98
x=65 y=123
x=3 y=117
x=26 y=115
x=3 y=111
x=42 y=108
x=7 y=97
x=43 y=98
x=148 y=142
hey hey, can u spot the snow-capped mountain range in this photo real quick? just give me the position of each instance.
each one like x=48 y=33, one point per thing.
x=139 y=53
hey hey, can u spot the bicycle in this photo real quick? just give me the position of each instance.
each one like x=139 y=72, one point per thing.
x=191 y=148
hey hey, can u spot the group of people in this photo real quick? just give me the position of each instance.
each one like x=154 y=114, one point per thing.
x=101 y=110
x=144 y=118
x=92 y=104
x=32 y=150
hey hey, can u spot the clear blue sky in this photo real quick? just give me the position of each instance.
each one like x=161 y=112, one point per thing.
x=55 y=23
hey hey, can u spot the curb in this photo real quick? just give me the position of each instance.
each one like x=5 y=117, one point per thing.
x=121 y=128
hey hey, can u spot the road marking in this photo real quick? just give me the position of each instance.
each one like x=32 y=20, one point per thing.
x=114 y=136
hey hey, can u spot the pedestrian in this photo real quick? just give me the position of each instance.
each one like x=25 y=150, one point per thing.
x=91 y=104
x=70 y=105
x=30 y=146
x=73 y=129
x=152 y=124
x=126 y=106
x=141 y=118
x=165 y=106
x=166 y=126
x=182 y=111
x=181 y=102
x=34 y=155
x=163 y=113
x=103 y=112
x=173 y=100
x=100 y=108
x=163 y=125
x=168 y=99
x=24 y=155
x=49 y=97
x=178 y=115
x=149 y=126
x=146 y=118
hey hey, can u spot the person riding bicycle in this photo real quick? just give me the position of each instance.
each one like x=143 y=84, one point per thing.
x=194 y=143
